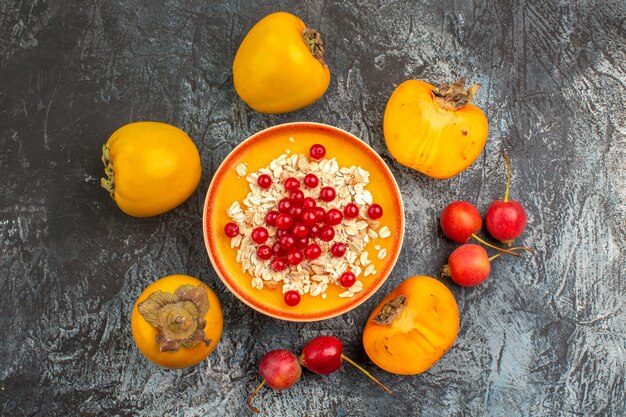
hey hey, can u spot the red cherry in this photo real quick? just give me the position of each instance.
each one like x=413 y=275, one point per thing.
x=270 y=218
x=259 y=235
x=292 y=298
x=317 y=151
x=375 y=211
x=295 y=212
x=314 y=231
x=278 y=264
x=309 y=217
x=311 y=180
x=347 y=279
x=351 y=211
x=299 y=230
x=320 y=214
x=302 y=243
x=264 y=181
x=506 y=220
x=313 y=251
x=264 y=252
x=328 y=194
x=308 y=203
x=460 y=220
x=295 y=256
x=284 y=205
x=231 y=229
x=284 y=221
x=278 y=250
x=338 y=249
x=296 y=197
x=468 y=265
x=333 y=217
x=327 y=233
x=291 y=184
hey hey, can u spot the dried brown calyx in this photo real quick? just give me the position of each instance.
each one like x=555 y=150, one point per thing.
x=313 y=40
x=454 y=96
x=177 y=316
x=108 y=183
x=390 y=310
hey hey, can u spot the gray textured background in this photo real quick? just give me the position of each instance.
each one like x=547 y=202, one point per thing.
x=544 y=336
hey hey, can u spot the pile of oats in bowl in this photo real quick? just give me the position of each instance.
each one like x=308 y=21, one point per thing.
x=305 y=225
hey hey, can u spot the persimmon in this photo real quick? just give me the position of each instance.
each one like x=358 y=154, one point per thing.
x=434 y=130
x=177 y=321
x=412 y=327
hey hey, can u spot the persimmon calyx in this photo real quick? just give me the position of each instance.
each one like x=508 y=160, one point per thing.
x=178 y=316
x=391 y=310
x=108 y=183
x=454 y=96
x=313 y=40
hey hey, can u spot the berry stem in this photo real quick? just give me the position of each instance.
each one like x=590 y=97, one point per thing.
x=251 y=396
x=357 y=366
x=511 y=249
x=508 y=176
x=507 y=251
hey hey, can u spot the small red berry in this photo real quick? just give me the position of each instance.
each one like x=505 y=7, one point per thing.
x=292 y=298
x=295 y=212
x=259 y=235
x=328 y=194
x=278 y=250
x=308 y=203
x=333 y=217
x=314 y=231
x=281 y=232
x=320 y=214
x=317 y=151
x=295 y=256
x=284 y=221
x=299 y=230
x=311 y=180
x=313 y=251
x=264 y=252
x=375 y=211
x=278 y=264
x=231 y=229
x=284 y=205
x=264 y=181
x=309 y=217
x=347 y=279
x=351 y=211
x=338 y=249
x=270 y=217
x=291 y=184
x=296 y=197
x=302 y=243
x=287 y=242
x=327 y=233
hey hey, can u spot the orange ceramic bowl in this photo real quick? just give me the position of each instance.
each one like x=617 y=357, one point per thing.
x=257 y=152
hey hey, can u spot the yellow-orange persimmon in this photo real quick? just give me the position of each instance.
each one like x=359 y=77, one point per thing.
x=177 y=321
x=279 y=66
x=412 y=327
x=434 y=130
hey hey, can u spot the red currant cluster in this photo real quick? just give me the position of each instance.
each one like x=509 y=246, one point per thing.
x=299 y=221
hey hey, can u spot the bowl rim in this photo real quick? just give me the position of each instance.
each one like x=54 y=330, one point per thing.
x=219 y=269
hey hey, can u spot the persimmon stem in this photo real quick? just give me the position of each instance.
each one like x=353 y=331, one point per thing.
x=370 y=376
x=507 y=251
x=508 y=176
x=251 y=396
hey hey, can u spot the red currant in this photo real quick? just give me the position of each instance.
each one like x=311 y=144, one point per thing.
x=328 y=194
x=295 y=256
x=270 y=217
x=284 y=221
x=302 y=242
x=327 y=233
x=309 y=217
x=281 y=232
x=313 y=251
x=259 y=235
x=296 y=198
x=264 y=252
x=278 y=250
x=311 y=180
x=291 y=184
x=284 y=205
x=308 y=203
x=317 y=151
x=292 y=298
x=347 y=279
x=299 y=230
x=264 y=181
x=231 y=229
x=351 y=211
x=338 y=249
x=375 y=211
x=320 y=214
x=296 y=212
x=287 y=242
x=333 y=217
x=314 y=231
x=278 y=264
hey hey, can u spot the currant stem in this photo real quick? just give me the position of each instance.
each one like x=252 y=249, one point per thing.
x=251 y=396
x=357 y=366
x=508 y=176
x=507 y=251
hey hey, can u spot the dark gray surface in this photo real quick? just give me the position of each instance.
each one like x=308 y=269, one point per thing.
x=543 y=336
